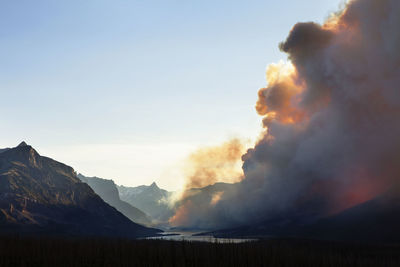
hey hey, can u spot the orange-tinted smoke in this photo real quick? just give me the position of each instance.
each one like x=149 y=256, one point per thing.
x=342 y=80
x=279 y=100
x=290 y=97
x=216 y=198
x=205 y=167
x=182 y=214
x=209 y=165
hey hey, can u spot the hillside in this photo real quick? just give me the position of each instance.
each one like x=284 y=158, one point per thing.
x=108 y=191
x=39 y=195
x=376 y=220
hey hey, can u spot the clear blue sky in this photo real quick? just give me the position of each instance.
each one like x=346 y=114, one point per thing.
x=125 y=89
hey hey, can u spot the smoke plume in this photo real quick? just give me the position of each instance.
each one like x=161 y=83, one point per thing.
x=332 y=122
x=205 y=167
x=214 y=164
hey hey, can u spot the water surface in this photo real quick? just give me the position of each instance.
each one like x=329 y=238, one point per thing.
x=191 y=236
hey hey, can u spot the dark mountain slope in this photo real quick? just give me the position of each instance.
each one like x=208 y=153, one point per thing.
x=374 y=220
x=3 y=149
x=108 y=191
x=41 y=196
x=377 y=220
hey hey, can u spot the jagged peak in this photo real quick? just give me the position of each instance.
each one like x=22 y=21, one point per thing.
x=23 y=143
x=23 y=153
x=23 y=146
x=154 y=185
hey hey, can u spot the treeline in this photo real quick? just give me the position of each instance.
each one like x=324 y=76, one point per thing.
x=15 y=251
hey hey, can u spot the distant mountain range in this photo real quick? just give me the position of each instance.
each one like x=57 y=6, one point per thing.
x=150 y=199
x=39 y=195
x=108 y=191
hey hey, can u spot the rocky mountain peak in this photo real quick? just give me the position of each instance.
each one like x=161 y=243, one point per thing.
x=23 y=154
x=22 y=144
x=154 y=185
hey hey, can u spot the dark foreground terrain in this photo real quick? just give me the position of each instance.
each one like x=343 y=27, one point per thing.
x=16 y=251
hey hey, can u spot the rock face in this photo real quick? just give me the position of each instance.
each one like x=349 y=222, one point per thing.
x=108 y=191
x=150 y=199
x=39 y=195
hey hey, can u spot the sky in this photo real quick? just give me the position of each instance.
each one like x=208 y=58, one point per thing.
x=125 y=90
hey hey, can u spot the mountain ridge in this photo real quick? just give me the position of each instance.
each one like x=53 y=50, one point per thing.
x=39 y=195
x=107 y=190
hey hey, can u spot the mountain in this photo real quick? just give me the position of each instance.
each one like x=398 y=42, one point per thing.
x=150 y=199
x=108 y=191
x=376 y=220
x=5 y=149
x=40 y=196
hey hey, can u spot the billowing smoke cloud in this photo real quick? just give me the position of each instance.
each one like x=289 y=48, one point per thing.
x=214 y=164
x=331 y=118
x=204 y=167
